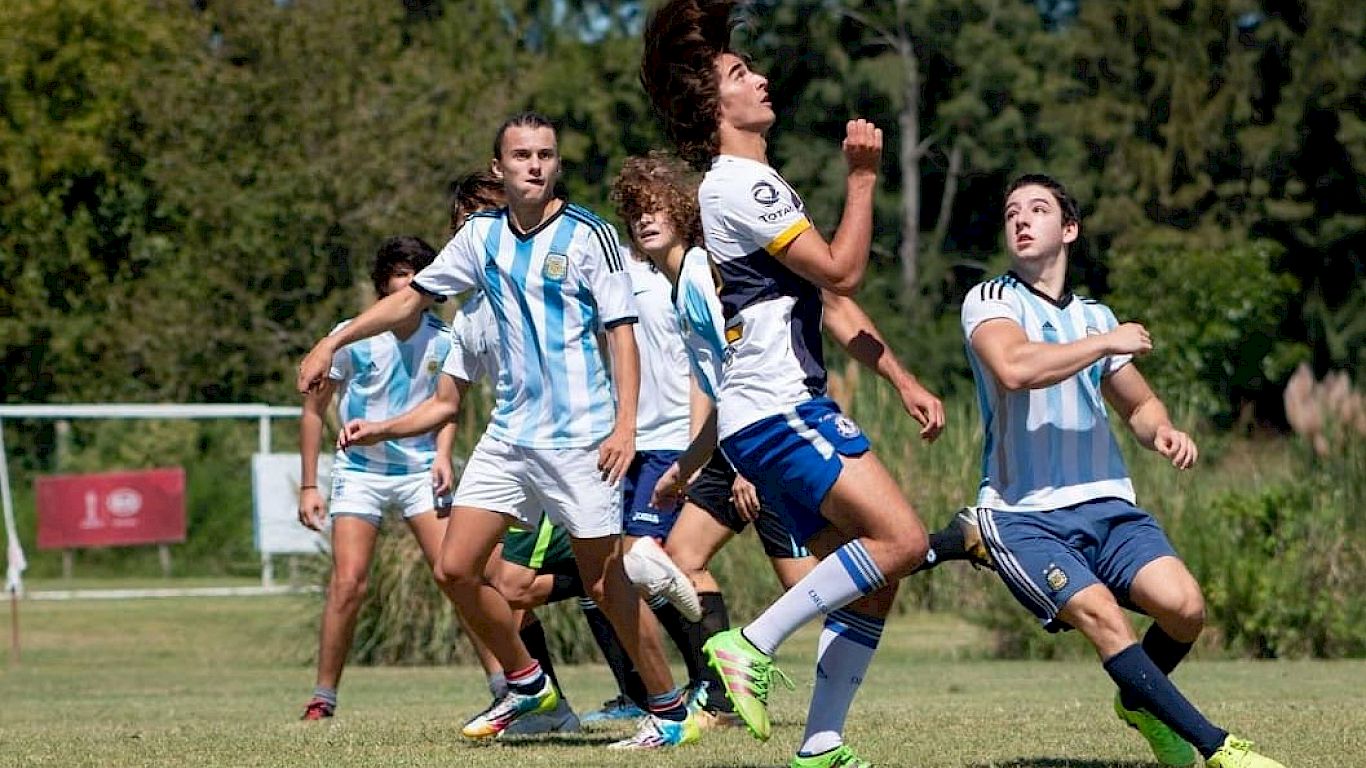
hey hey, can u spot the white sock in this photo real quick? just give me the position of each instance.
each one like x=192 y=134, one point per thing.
x=843 y=577
x=847 y=644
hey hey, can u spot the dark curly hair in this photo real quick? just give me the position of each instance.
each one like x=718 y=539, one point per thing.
x=396 y=252
x=653 y=182
x=472 y=193
x=683 y=40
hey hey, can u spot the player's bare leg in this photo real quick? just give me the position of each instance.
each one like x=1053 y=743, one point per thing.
x=353 y=545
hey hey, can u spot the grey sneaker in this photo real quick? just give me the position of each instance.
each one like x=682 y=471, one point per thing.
x=559 y=720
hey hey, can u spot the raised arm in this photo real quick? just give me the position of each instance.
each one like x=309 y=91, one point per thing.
x=1018 y=363
x=839 y=265
x=1129 y=394
x=850 y=326
x=384 y=315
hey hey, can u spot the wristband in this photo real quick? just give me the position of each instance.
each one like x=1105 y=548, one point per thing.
x=306 y=487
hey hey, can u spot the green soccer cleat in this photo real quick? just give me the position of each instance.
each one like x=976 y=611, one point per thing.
x=1237 y=753
x=747 y=674
x=839 y=757
x=1168 y=747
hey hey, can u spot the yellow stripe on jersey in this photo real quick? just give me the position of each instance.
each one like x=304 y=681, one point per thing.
x=786 y=237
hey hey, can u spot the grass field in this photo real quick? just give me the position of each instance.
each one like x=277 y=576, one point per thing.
x=219 y=682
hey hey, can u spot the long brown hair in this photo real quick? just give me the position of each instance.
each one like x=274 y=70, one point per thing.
x=683 y=40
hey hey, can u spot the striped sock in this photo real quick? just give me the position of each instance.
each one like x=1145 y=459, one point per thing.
x=668 y=705
x=845 y=575
x=847 y=644
x=526 y=681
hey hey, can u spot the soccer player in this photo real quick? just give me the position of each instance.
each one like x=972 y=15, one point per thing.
x=1057 y=506
x=775 y=422
x=379 y=376
x=557 y=442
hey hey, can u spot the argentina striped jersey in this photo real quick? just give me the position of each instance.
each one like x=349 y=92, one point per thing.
x=382 y=377
x=1051 y=447
x=699 y=312
x=552 y=290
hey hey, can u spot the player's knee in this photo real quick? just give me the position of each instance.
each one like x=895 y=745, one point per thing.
x=1188 y=618
x=908 y=549
x=346 y=590
x=453 y=574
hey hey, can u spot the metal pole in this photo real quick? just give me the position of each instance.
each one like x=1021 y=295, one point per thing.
x=13 y=627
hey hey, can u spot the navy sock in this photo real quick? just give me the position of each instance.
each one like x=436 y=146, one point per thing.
x=623 y=670
x=533 y=637
x=1165 y=651
x=714 y=619
x=687 y=636
x=669 y=706
x=1139 y=679
x=564 y=586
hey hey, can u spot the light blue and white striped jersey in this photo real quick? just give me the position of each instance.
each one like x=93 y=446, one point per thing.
x=1052 y=447
x=474 y=341
x=699 y=312
x=552 y=290
x=662 y=416
x=383 y=377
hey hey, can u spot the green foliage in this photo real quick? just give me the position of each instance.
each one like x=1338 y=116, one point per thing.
x=1216 y=341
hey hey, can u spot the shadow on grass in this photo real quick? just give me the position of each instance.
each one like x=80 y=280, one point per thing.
x=581 y=739
x=1063 y=763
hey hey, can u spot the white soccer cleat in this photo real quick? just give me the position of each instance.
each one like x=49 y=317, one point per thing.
x=654 y=573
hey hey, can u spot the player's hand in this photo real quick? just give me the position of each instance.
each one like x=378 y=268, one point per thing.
x=312 y=511
x=358 y=432
x=443 y=477
x=862 y=147
x=313 y=368
x=669 y=488
x=1130 y=339
x=924 y=407
x=615 y=455
x=1177 y=446
x=746 y=498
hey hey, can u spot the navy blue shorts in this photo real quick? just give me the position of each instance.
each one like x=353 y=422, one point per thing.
x=1045 y=558
x=794 y=459
x=638 y=517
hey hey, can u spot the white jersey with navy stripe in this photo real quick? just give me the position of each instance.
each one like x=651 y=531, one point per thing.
x=1051 y=447
x=474 y=341
x=662 y=417
x=383 y=377
x=699 y=311
x=552 y=291
x=773 y=316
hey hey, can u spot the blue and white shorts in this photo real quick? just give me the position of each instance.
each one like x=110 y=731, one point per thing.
x=793 y=458
x=1045 y=558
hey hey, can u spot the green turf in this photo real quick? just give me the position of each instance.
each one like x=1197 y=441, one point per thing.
x=220 y=681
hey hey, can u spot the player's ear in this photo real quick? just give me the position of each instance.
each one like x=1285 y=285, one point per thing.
x=496 y=168
x=1070 y=232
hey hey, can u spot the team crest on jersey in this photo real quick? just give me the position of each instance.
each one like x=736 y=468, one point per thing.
x=765 y=194
x=846 y=427
x=1055 y=577
x=432 y=365
x=556 y=266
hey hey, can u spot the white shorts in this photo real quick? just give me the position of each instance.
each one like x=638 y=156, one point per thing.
x=367 y=495
x=564 y=483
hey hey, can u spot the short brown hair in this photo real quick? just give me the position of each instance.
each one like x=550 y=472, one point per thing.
x=471 y=193
x=658 y=181
x=683 y=40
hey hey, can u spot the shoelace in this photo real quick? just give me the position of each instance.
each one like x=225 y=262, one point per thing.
x=762 y=680
x=1239 y=745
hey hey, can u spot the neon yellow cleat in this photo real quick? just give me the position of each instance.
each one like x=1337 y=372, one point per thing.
x=839 y=757
x=1168 y=747
x=747 y=674
x=1237 y=753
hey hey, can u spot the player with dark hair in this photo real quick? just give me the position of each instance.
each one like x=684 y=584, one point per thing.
x=1056 y=504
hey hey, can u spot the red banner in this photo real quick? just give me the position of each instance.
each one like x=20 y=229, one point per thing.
x=111 y=508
